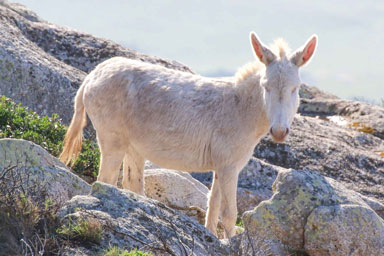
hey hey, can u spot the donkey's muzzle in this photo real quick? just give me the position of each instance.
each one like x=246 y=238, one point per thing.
x=279 y=134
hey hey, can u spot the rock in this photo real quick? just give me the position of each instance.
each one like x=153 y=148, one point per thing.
x=255 y=184
x=344 y=230
x=176 y=189
x=31 y=76
x=358 y=115
x=374 y=205
x=245 y=244
x=298 y=195
x=21 y=10
x=311 y=92
x=203 y=177
x=150 y=165
x=37 y=166
x=42 y=64
x=131 y=221
x=344 y=154
x=247 y=200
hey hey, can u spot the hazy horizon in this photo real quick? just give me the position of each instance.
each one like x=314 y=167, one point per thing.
x=211 y=37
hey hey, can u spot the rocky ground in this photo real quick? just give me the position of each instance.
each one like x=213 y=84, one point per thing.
x=328 y=205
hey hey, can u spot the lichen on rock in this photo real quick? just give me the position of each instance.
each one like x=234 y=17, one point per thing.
x=297 y=196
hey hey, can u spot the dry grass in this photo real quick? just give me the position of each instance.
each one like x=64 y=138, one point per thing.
x=27 y=216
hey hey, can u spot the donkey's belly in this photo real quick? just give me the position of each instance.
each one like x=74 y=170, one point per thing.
x=173 y=155
x=171 y=159
x=176 y=164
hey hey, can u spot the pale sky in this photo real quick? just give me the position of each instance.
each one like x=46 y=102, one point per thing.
x=212 y=38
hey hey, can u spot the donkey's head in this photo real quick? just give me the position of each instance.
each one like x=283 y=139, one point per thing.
x=281 y=82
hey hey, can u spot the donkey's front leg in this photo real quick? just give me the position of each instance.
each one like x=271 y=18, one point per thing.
x=228 y=209
x=214 y=202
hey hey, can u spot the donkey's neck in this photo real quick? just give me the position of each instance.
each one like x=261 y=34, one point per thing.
x=252 y=94
x=248 y=79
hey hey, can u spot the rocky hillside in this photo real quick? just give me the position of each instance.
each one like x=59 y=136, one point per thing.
x=328 y=205
x=42 y=64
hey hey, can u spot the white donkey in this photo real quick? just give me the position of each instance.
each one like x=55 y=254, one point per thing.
x=187 y=122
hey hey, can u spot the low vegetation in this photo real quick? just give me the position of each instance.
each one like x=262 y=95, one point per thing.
x=19 y=122
x=27 y=216
x=86 y=230
x=115 y=251
x=28 y=222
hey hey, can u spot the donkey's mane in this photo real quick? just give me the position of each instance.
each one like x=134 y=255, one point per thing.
x=247 y=70
x=279 y=48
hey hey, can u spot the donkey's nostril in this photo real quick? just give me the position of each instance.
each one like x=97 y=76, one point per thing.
x=286 y=132
x=270 y=131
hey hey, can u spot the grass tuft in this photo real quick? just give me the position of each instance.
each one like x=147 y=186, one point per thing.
x=116 y=251
x=87 y=230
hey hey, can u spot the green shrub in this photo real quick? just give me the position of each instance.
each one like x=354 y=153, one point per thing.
x=115 y=251
x=239 y=222
x=88 y=230
x=21 y=123
x=136 y=253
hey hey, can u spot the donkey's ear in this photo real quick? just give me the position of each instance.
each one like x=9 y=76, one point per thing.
x=305 y=53
x=262 y=52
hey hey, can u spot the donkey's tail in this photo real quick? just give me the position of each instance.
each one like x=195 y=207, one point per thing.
x=74 y=136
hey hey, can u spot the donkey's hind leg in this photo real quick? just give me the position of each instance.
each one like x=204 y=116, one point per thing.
x=133 y=173
x=112 y=155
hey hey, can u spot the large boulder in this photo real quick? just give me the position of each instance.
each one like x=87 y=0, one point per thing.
x=317 y=214
x=131 y=221
x=35 y=166
x=178 y=190
x=42 y=65
x=349 y=156
x=344 y=230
